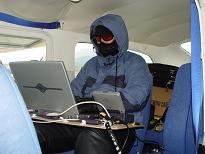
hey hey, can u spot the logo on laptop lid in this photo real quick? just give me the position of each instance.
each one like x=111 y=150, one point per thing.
x=42 y=88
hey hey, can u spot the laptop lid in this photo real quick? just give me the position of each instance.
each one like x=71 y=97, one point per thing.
x=44 y=85
x=111 y=100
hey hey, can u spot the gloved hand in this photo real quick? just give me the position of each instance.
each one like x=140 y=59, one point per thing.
x=86 y=108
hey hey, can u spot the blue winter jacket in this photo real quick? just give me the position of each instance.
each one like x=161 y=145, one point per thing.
x=125 y=72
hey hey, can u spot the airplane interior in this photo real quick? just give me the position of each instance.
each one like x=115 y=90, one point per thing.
x=168 y=34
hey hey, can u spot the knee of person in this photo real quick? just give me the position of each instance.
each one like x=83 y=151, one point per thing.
x=41 y=137
x=89 y=133
x=93 y=134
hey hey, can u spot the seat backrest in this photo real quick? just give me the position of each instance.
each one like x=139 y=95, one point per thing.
x=178 y=135
x=17 y=133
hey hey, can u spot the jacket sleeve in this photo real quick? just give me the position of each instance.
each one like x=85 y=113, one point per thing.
x=139 y=83
x=84 y=79
x=79 y=81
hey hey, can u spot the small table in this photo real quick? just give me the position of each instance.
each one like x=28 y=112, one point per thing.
x=82 y=124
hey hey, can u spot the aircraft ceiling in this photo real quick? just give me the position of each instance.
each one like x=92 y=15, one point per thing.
x=156 y=22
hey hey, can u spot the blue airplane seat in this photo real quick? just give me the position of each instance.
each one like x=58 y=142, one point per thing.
x=155 y=137
x=17 y=133
x=177 y=136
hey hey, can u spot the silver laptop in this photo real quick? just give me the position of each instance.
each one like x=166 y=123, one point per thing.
x=111 y=100
x=44 y=85
x=114 y=104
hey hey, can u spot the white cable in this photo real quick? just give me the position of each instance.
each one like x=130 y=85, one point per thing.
x=88 y=102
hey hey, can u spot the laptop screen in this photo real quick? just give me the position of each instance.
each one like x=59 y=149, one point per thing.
x=111 y=100
x=44 y=85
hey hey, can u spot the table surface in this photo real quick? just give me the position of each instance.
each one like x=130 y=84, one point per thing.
x=77 y=122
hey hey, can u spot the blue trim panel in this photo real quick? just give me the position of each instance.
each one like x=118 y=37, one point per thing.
x=196 y=69
x=19 y=21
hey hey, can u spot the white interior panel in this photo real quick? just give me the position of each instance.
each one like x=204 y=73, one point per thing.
x=164 y=55
x=64 y=43
x=157 y=22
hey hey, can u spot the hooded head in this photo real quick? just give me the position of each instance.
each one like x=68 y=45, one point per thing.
x=114 y=36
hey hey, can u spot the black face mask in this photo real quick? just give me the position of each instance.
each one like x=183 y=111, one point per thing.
x=108 y=49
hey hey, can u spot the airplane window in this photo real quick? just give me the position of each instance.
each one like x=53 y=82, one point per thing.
x=187 y=47
x=85 y=51
x=13 y=48
x=146 y=57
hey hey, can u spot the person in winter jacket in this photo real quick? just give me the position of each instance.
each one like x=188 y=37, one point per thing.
x=113 y=69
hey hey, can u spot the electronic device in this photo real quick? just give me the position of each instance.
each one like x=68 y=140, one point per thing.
x=111 y=100
x=45 y=86
x=114 y=104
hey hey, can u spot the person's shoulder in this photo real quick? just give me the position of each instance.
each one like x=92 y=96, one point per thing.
x=91 y=61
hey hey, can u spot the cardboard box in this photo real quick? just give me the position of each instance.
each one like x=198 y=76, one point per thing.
x=160 y=99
